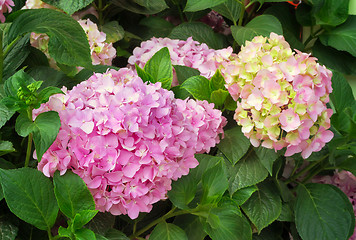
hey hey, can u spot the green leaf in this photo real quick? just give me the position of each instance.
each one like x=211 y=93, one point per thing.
x=321 y=213
x=167 y=231
x=234 y=145
x=5 y=114
x=199 y=87
x=142 y=6
x=342 y=37
x=338 y=60
x=57 y=79
x=180 y=92
x=232 y=226
x=155 y=27
x=6 y=147
x=65 y=232
x=230 y=9
x=287 y=214
x=19 y=79
x=101 y=223
x=45 y=129
x=72 y=194
x=83 y=217
x=16 y=56
x=342 y=95
x=206 y=162
x=329 y=12
x=247 y=172
x=160 y=68
x=29 y=195
x=261 y=25
x=69 y=6
x=114 y=234
x=197 y=5
x=200 y=32
x=143 y=75
x=349 y=165
x=304 y=15
x=182 y=192
x=44 y=94
x=8 y=231
x=241 y=195
x=214 y=183
x=264 y=206
x=68 y=42
x=114 y=32
x=266 y=157
x=184 y=72
x=217 y=81
x=84 y=234
x=191 y=226
x=218 y=97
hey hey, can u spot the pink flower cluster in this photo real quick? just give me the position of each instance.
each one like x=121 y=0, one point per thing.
x=5 y=6
x=127 y=139
x=281 y=96
x=346 y=181
x=188 y=53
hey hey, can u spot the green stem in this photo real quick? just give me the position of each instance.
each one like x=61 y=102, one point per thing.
x=29 y=143
x=170 y=214
x=180 y=12
x=50 y=237
x=306 y=169
x=100 y=11
x=8 y=48
x=242 y=12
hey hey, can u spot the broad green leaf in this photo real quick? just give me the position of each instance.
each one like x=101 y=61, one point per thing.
x=218 y=97
x=266 y=157
x=65 y=232
x=205 y=163
x=16 y=56
x=321 y=213
x=72 y=194
x=160 y=68
x=264 y=206
x=217 y=81
x=349 y=165
x=57 y=79
x=146 y=77
x=352 y=7
x=191 y=226
x=5 y=114
x=291 y=28
x=338 y=60
x=342 y=95
x=180 y=92
x=200 y=32
x=197 y=5
x=88 y=72
x=199 y=87
x=44 y=94
x=234 y=145
x=69 y=6
x=330 y=12
x=247 y=172
x=101 y=223
x=243 y=194
x=114 y=32
x=83 y=217
x=304 y=15
x=114 y=234
x=6 y=147
x=342 y=37
x=142 y=6
x=214 y=183
x=230 y=9
x=287 y=214
x=155 y=27
x=29 y=195
x=184 y=72
x=45 y=129
x=84 y=234
x=262 y=25
x=167 y=231
x=232 y=226
x=8 y=231
x=182 y=192
x=68 y=42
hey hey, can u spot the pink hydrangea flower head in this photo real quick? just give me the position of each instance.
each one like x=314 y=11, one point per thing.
x=127 y=139
x=288 y=89
x=188 y=53
x=5 y=6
